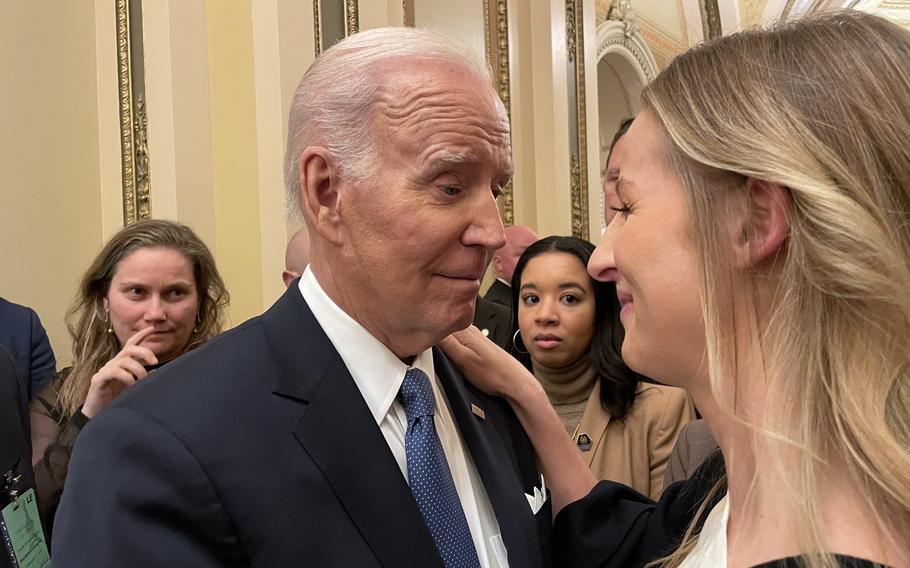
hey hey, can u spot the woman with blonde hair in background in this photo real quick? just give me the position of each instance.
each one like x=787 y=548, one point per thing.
x=152 y=294
x=761 y=253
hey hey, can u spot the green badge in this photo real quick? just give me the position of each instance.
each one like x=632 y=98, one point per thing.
x=20 y=529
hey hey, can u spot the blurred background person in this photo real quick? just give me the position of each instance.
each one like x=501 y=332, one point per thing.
x=518 y=238
x=22 y=333
x=296 y=256
x=494 y=321
x=568 y=334
x=152 y=294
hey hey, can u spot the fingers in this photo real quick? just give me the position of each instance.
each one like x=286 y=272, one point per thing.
x=137 y=337
x=133 y=367
x=139 y=353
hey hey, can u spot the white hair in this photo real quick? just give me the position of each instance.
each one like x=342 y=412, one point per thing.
x=333 y=101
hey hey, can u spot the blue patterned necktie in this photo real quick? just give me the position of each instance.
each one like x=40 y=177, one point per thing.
x=430 y=478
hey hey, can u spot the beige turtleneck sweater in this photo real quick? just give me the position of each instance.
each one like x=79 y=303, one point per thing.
x=568 y=389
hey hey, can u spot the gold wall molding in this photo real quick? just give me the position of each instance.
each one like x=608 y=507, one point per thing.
x=351 y=17
x=409 y=17
x=351 y=24
x=496 y=41
x=317 y=28
x=134 y=157
x=578 y=143
x=710 y=19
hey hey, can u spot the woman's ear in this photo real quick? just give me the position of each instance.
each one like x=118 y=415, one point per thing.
x=319 y=184
x=766 y=225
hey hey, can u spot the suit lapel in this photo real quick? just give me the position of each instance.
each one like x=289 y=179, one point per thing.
x=490 y=456
x=339 y=434
x=594 y=422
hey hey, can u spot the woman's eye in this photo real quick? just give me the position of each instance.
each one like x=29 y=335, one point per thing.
x=624 y=210
x=570 y=299
x=530 y=299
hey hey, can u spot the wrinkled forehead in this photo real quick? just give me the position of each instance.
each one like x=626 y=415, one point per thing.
x=420 y=99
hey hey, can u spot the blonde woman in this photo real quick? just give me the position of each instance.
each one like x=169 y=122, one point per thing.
x=151 y=294
x=761 y=253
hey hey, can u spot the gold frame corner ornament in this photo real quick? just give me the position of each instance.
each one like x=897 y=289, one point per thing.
x=351 y=22
x=134 y=157
x=578 y=150
x=351 y=17
x=496 y=41
x=710 y=19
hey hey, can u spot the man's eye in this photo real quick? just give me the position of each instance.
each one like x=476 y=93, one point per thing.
x=451 y=190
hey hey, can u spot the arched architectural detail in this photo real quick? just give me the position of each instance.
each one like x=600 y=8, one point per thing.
x=625 y=65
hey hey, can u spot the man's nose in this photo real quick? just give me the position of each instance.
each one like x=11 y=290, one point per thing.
x=601 y=265
x=486 y=229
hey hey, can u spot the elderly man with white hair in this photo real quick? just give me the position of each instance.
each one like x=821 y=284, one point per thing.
x=330 y=431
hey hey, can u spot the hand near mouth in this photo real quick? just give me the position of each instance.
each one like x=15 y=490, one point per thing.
x=122 y=371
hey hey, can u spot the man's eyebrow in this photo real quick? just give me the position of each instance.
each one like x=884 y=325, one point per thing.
x=447 y=158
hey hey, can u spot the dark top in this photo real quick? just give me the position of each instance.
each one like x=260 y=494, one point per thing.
x=615 y=526
x=22 y=333
x=15 y=441
x=496 y=319
x=500 y=293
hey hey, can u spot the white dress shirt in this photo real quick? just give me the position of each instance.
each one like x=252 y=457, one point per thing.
x=378 y=374
x=711 y=549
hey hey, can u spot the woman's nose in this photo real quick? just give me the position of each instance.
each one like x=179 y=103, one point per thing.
x=601 y=266
x=155 y=310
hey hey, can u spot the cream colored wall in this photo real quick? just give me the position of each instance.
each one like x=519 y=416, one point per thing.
x=50 y=198
x=234 y=151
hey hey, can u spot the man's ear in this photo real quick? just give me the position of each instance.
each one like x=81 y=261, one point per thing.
x=764 y=229
x=497 y=265
x=319 y=184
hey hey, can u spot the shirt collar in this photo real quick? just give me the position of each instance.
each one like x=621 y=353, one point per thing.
x=377 y=372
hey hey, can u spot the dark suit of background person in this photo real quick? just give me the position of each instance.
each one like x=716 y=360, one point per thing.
x=305 y=477
x=500 y=293
x=22 y=333
x=15 y=441
x=494 y=321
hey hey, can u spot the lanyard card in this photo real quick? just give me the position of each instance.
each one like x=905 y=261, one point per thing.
x=20 y=530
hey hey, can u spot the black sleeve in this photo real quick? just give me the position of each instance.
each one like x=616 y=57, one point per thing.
x=615 y=526
x=42 y=363
x=136 y=496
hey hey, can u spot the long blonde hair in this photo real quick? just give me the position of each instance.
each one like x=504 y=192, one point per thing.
x=821 y=107
x=93 y=346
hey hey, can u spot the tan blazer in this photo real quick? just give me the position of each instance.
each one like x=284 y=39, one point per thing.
x=634 y=451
